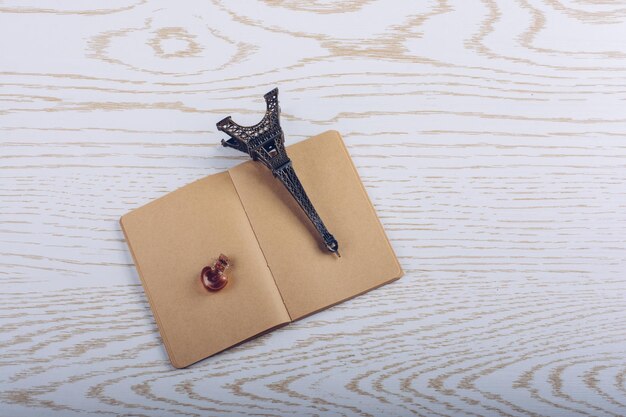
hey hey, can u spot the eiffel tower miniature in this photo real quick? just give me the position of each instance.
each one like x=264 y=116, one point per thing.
x=265 y=142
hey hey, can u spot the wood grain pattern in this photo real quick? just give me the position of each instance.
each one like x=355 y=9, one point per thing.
x=489 y=135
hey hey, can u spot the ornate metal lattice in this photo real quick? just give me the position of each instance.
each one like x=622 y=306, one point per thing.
x=265 y=142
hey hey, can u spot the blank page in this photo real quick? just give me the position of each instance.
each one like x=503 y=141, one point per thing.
x=172 y=239
x=308 y=276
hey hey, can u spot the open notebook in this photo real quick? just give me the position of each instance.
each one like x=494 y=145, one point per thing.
x=280 y=270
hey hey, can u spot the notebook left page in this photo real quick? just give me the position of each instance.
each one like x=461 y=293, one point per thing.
x=171 y=239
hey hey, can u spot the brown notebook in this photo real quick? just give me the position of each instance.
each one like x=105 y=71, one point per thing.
x=280 y=270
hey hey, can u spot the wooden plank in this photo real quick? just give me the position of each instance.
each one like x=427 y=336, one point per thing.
x=489 y=136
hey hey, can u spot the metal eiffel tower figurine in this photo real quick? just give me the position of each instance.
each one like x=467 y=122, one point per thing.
x=265 y=142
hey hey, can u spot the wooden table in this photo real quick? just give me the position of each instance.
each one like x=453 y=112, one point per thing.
x=489 y=135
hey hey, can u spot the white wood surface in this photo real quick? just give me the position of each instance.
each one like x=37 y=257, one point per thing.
x=489 y=135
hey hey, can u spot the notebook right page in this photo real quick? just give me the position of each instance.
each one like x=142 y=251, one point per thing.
x=309 y=277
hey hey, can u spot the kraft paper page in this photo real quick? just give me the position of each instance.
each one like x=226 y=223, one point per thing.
x=171 y=239
x=308 y=277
